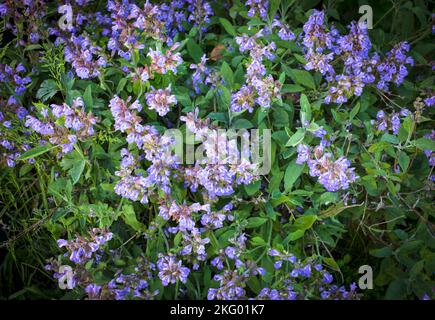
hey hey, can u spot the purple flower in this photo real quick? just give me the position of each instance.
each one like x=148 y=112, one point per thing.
x=171 y=270
x=333 y=175
x=162 y=63
x=303 y=153
x=200 y=12
x=243 y=99
x=82 y=249
x=284 y=32
x=85 y=58
x=201 y=71
x=430 y=102
x=258 y=7
x=161 y=100
x=327 y=278
x=93 y=291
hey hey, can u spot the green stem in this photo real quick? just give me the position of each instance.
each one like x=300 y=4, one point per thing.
x=176 y=290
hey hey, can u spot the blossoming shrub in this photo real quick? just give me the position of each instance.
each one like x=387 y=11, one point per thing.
x=95 y=203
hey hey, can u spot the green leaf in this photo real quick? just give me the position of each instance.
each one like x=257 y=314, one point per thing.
x=228 y=26
x=255 y=222
x=182 y=96
x=291 y=88
x=253 y=187
x=305 y=109
x=305 y=222
x=194 y=50
x=60 y=212
x=379 y=146
x=332 y=263
x=77 y=170
x=404 y=160
x=61 y=188
x=390 y=138
x=220 y=116
x=177 y=239
x=292 y=173
x=121 y=85
x=302 y=77
x=258 y=241
x=425 y=144
x=296 y=138
x=282 y=78
x=75 y=163
x=381 y=253
x=37 y=151
x=227 y=74
x=87 y=98
x=293 y=236
x=224 y=98
x=334 y=210
x=129 y=217
x=280 y=117
x=47 y=90
x=273 y=8
x=354 y=111
x=243 y=124
x=396 y=290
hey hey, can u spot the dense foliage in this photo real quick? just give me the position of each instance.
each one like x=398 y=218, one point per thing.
x=96 y=204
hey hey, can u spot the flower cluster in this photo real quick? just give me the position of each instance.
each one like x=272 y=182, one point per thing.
x=82 y=249
x=134 y=285
x=10 y=111
x=145 y=137
x=123 y=287
x=13 y=78
x=325 y=49
x=157 y=150
x=284 y=32
x=291 y=287
x=24 y=18
x=13 y=150
x=430 y=154
x=215 y=219
x=385 y=122
x=223 y=165
x=182 y=214
x=161 y=100
x=430 y=102
x=393 y=68
x=201 y=71
x=199 y=12
x=162 y=63
x=171 y=270
x=259 y=89
x=259 y=7
x=75 y=124
x=232 y=283
x=85 y=58
x=174 y=17
x=129 y=23
x=130 y=185
x=194 y=247
x=333 y=175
